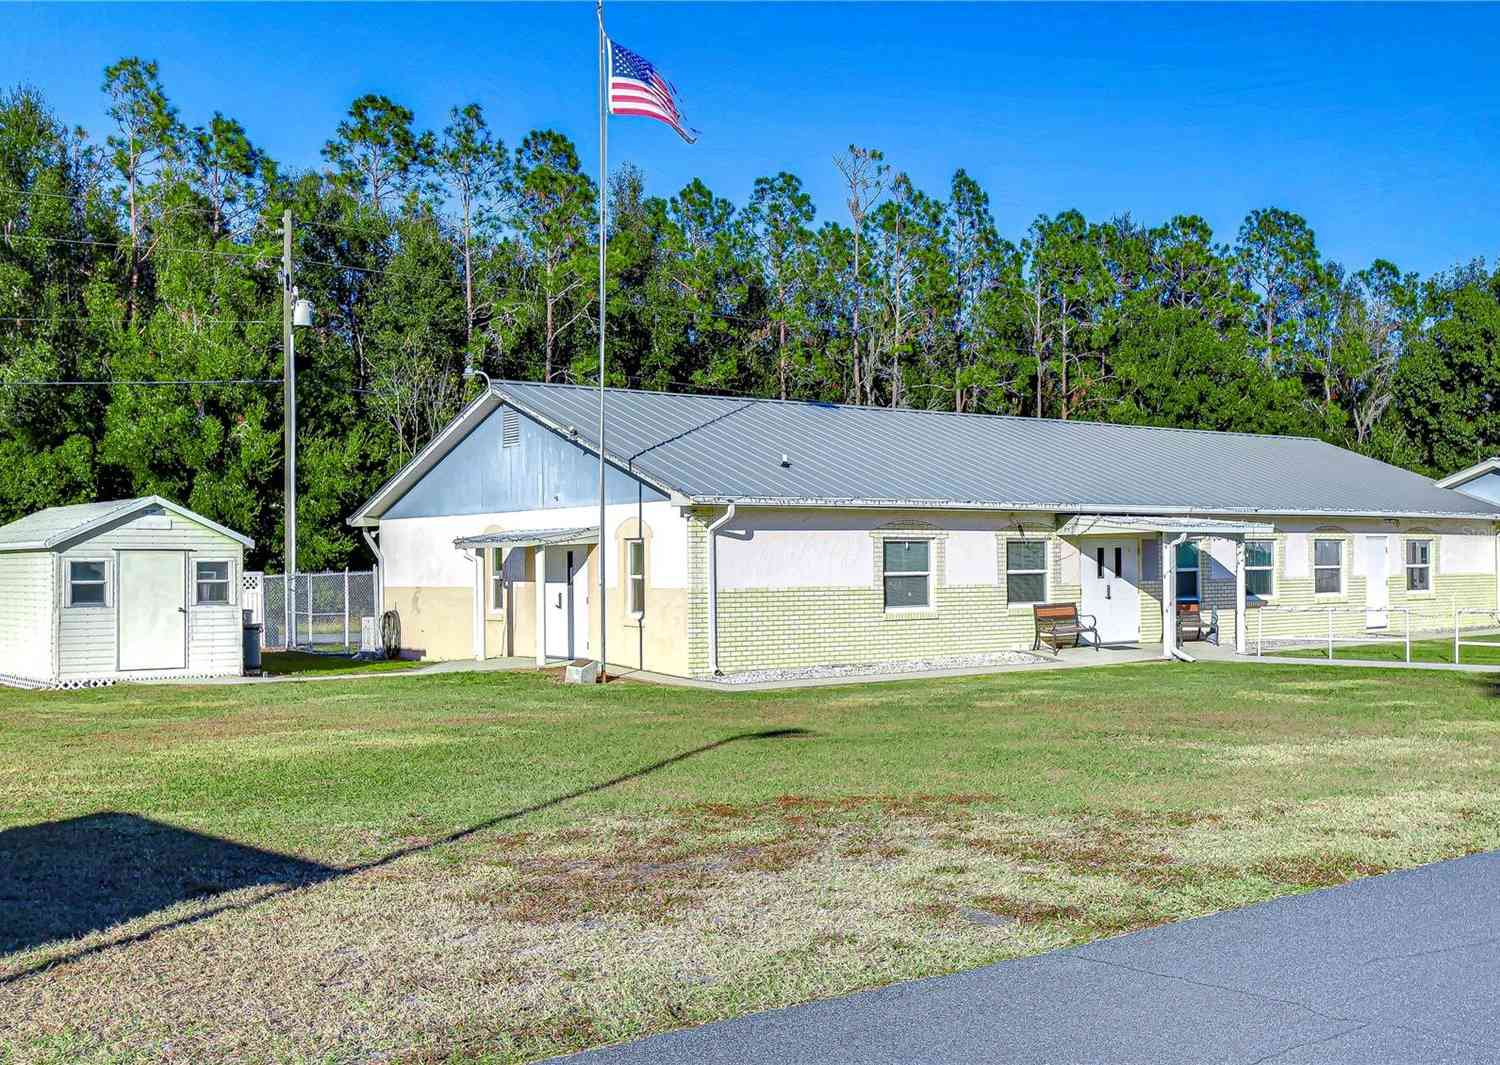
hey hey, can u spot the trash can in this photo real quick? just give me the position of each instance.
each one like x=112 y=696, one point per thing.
x=252 y=646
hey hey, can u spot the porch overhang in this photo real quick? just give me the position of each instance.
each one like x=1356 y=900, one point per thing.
x=1167 y=524
x=588 y=534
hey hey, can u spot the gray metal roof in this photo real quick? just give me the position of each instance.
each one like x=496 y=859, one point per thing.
x=717 y=450
x=57 y=525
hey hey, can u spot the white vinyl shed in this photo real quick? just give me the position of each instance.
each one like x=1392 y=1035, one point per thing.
x=138 y=589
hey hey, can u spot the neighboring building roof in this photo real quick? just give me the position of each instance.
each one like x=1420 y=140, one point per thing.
x=1479 y=469
x=54 y=526
x=716 y=450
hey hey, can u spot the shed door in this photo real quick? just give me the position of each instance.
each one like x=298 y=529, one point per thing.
x=153 y=610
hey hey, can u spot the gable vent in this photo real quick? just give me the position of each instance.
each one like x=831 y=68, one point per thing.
x=510 y=427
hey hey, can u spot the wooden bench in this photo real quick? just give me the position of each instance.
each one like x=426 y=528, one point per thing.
x=1059 y=623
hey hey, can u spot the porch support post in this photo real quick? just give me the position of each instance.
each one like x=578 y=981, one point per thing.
x=1239 y=594
x=539 y=557
x=1168 y=595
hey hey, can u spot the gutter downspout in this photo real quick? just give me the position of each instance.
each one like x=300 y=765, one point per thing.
x=477 y=636
x=713 y=588
x=379 y=575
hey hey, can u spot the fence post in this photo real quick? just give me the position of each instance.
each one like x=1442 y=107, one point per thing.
x=1260 y=632
x=1330 y=634
x=1407 y=611
x=288 y=611
x=346 y=608
x=1455 y=632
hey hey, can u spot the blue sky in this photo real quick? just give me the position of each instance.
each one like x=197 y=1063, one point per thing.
x=1378 y=123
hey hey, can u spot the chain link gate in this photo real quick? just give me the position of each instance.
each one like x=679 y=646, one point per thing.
x=322 y=612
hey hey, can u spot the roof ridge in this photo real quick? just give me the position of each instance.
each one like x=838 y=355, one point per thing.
x=497 y=385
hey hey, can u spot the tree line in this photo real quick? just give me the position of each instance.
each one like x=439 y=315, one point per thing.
x=140 y=307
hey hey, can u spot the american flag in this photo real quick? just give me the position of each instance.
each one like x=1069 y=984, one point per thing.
x=637 y=88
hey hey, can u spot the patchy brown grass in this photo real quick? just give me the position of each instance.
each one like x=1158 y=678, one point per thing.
x=521 y=869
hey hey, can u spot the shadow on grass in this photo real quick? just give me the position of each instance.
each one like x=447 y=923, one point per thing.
x=65 y=879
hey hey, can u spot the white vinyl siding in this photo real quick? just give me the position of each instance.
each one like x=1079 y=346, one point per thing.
x=26 y=614
x=87 y=639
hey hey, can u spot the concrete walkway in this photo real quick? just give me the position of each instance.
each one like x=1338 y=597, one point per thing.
x=1401 y=968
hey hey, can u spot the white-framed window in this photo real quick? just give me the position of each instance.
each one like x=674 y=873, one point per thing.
x=1025 y=571
x=1187 y=572
x=1260 y=568
x=1419 y=565
x=907 y=571
x=497 y=578
x=211 y=583
x=88 y=583
x=1328 y=567
x=635 y=576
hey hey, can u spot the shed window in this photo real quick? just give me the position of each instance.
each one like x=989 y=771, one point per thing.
x=88 y=583
x=1187 y=572
x=212 y=581
x=1025 y=571
x=1260 y=562
x=1419 y=565
x=497 y=578
x=635 y=560
x=908 y=574
x=1328 y=567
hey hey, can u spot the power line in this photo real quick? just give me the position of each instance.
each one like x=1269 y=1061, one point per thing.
x=238 y=255
x=141 y=382
x=102 y=318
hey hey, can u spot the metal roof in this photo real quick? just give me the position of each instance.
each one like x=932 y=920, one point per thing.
x=588 y=534
x=713 y=450
x=49 y=528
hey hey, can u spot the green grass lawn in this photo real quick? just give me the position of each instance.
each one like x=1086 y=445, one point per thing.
x=1438 y=650
x=301 y=663
x=493 y=867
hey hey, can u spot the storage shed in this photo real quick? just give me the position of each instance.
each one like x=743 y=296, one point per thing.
x=138 y=589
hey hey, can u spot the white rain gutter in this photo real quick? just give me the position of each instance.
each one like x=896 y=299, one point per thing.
x=713 y=588
x=379 y=576
x=477 y=635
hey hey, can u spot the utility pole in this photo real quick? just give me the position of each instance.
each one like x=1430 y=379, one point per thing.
x=289 y=398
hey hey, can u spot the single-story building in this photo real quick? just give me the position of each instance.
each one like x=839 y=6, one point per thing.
x=138 y=589
x=746 y=534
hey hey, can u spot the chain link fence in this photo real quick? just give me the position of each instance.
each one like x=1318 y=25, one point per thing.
x=315 y=611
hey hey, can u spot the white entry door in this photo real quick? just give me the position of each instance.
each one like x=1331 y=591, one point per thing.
x=1108 y=571
x=567 y=602
x=152 y=614
x=1377 y=582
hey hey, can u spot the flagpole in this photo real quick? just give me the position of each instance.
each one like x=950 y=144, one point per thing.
x=603 y=238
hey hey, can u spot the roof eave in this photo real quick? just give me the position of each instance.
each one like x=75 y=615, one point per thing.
x=1069 y=508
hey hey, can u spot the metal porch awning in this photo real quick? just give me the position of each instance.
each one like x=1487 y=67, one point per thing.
x=588 y=534
x=1113 y=524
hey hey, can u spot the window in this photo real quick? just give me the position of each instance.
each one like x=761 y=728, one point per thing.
x=1419 y=565
x=212 y=580
x=87 y=583
x=908 y=573
x=1187 y=572
x=1025 y=571
x=635 y=563
x=1260 y=564
x=497 y=578
x=1328 y=567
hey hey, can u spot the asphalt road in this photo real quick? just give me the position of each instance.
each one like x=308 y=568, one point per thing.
x=1402 y=968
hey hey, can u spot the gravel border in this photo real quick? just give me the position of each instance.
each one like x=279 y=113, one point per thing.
x=865 y=669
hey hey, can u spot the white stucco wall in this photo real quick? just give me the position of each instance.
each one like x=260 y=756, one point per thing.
x=419 y=552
